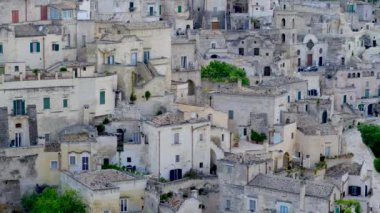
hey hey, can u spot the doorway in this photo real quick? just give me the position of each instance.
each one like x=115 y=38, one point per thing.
x=320 y=61
x=309 y=59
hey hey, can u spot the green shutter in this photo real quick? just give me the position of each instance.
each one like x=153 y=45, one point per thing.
x=14 y=107
x=23 y=107
x=46 y=103
x=65 y=103
x=1 y=49
x=31 y=47
x=57 y=47
x=179 y=9
x=160 y=9
x=38 y=47
x=102 y=97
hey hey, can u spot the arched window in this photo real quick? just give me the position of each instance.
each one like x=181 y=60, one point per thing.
x=283 y=22
x=349 y=75
x=283 y=38
x=320 y=51
x=298 y=52
x=284 y=6
x=358 y=75
x=372 y=73
x=353 y=75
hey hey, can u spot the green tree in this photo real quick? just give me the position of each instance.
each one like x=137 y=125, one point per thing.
x=147 y=95
x=376 y=164
x=371 y=137
x=51 y=201
x=218 y=71
x=258 y=137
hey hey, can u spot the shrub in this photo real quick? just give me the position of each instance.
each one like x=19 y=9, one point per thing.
x=101 y=128
x=371 y=137
x=133 y=97
x=347 y=204
x=376 y=164
x=106 y=121
x=163 y=180
x=258 y=137
x=192 y=174
x=218 y=71
x=51 y=201
x=147 y=95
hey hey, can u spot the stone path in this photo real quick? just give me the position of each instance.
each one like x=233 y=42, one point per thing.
x=353 y=143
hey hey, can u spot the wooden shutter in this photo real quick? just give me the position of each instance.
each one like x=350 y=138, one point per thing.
x=44 y=12
x=15 y=17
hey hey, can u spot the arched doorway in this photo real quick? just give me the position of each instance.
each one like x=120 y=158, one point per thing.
x=370 y=110
x=324 y=117
x=212 y=162
x=190 y=87
x=283 y=38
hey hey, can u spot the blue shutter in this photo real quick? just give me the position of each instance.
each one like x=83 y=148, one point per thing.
x=38 y=47
x=23 y=107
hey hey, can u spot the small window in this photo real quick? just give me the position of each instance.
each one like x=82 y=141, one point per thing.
x=18 y=125
x=1 y=49
x=222 y=137
x=102 y=98
x=228 y=204
x=176 y=138
x=129 y=159
x=201 y=165
x=177 y=158
x=179 y=9
x=54 y=165
x=55 y=47
x=229 y=170
x=72 y=160
x=230 y=114
x=47 y=138
x=17 y=68
x=201 y=137
x=46 y=103
x=34 y=47
x=123 y=205
x=256 y=51
x=213 y=45
x=292 y=135
x=65 y=103
x=252 y=205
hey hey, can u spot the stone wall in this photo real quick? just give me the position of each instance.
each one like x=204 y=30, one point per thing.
x=33 y=132
x=4 y=137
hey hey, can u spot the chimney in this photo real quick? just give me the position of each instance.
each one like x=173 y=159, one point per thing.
x=302 y=195
x=239 y=84
x=194 y=193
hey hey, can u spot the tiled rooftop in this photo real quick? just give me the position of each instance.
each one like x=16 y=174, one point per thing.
x=339 y=170
x=290 y=185
x=102 y=179
x=310 y=126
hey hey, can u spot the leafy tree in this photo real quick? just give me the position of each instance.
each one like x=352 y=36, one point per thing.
x=371 y=137
x=258 y=137
x=51 y=201
x=147 y=95
x=376 y=163
x=218 y=71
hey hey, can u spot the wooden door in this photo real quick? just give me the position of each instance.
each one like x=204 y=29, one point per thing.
x=44 y=12
x=309 y=59
x=15 y=17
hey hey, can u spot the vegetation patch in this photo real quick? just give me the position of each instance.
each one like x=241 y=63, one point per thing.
x=371 y=137
x=347 y=204
x=218 y=71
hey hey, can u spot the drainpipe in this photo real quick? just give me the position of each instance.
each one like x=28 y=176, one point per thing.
x=230 y=140
x=26 y=10
x=192 y=147
x=247 y=173
x=43 y=52
x=159 y=154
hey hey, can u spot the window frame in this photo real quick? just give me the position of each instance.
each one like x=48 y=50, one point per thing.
x=46 y=103
x=176 y=138
x=70 y=159
x=102 y=98
x=123 y=208
x=51 y=165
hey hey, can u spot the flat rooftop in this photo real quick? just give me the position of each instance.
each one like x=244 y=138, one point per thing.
x=170 y=118
x=339 y=170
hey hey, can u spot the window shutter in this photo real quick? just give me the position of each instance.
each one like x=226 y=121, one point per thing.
x=57 y=47
x=23 y=107
x=14 y=107
x=31 y=47
x=38 y=47
x=52 y=47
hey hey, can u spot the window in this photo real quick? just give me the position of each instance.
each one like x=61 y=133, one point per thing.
x=129 y=159
x=201 y=137
x=102 y=98
x=179 y=9
x=229 y=169
x=151 y=11
x=19 y=107
x=17 y=68
x=299 y=95
x=106 y=211
x=111 y=59
x=18 y=125
x=134 y=58
x=256 y=51
x=251 y=205
x=55 y=47
x=241 y=51
x=288 y=98
x=34 y=47
x=183 y=61
x=222 y=137
x=175 y=174
x=176 y=138
x=123 y=205
x=292 y=135
x=47 y=138
x=67 y=14
x=83 y=40
x=213 y=45
x=85 y=163
x=65 y=103
x=230 y=114
x=146 y=56
x=72 y=160
x=54 y=165
x=46 y=103
x=177 y=158
x=1 y=49
x=283 y=207
x=228 y=204
x=201 y=165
